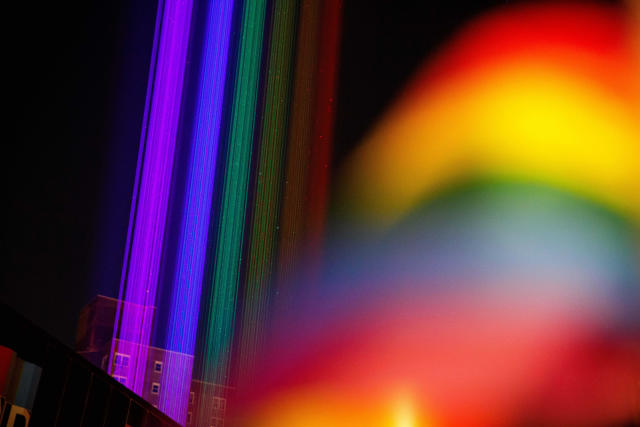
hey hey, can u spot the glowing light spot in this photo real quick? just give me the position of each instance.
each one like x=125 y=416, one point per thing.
x=404 y=413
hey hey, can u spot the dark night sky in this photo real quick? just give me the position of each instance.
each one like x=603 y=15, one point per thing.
x=77 y=86
x=77 y=91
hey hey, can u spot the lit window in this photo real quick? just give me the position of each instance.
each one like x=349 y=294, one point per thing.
x=192 y=397
x=155 y=388
x=120 y=379
x=20 y=420
x=157 y=366
x=121 y=360
x=219 y=403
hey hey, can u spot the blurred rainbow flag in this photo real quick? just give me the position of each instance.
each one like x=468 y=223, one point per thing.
x=483 y=263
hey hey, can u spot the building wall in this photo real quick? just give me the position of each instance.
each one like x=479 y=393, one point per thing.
x=93 y=340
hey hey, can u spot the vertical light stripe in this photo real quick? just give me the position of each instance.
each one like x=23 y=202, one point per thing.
x=134 y=322
x=266 y=206
x=185 y=302
x=220 y=321
x=299 y=147
x=322 y=142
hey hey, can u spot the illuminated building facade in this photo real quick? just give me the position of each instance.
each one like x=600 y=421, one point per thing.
x=93 y=342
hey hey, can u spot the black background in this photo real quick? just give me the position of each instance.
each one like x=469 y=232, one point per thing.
x=76 y=86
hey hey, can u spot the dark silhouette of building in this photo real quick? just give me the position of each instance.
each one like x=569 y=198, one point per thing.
x=70 y=391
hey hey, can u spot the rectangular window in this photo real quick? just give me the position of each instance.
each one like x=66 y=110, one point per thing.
x=155 y=388
x=121 y=360
x=188 y=418
x=157 y=366
x=219 y=403
x=120 y=379
x=192 y=397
